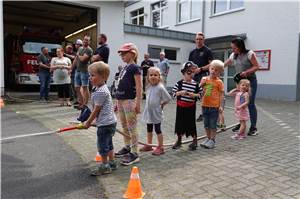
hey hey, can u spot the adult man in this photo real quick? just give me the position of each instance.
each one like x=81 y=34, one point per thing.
x=44 y=73
x=164 y=67
x=82 y=61
x=146 y=64
x=201 y=56
x=102 y=52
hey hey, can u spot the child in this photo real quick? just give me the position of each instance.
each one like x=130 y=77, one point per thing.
x=241 y=106
x=187 y=92
x=211 y=101
x=157 y=98
x=103 y=111
x=128 y=94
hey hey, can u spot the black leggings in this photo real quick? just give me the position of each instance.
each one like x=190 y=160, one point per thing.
x=63 y=91
x=156 y=127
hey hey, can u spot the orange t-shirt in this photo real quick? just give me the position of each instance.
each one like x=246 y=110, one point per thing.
x=213 y=88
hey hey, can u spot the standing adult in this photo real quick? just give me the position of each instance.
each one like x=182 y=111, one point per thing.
x=82 y=60
x=201 y=56
x=245 y=64
x=44 y=73
x=146 y=64
x=61 y=67
x=69 y=53
x=102 y=52
x=164 y=67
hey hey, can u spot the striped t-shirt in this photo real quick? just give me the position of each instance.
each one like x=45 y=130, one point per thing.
x=101 y=97
x=188 y=86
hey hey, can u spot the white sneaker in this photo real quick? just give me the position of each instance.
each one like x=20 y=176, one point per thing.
x=210 y=144
x=203 y=144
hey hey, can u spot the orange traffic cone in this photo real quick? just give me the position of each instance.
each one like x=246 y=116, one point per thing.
x=134 y=190
x=98 y=157
x=1 y=103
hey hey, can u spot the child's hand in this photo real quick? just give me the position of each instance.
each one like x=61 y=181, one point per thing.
x=115 y=108
x=221 y=109
x=138 y=108
x=86 y=125
x=182 y=93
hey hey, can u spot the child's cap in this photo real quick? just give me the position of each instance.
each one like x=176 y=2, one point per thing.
x=78 y=42
x=128 y=47
x=187 y=65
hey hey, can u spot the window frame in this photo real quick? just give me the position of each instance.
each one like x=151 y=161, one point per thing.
x=162 y=49
x=137 y=16
x=228 y=9
x=190 y=5
x=160 y=9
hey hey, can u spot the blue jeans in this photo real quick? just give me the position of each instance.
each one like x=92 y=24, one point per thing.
x=210 y=116
x=81 y=78
x=45 y=79
x=104 y=138
x=251 y=106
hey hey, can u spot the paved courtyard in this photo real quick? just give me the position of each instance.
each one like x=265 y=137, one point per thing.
x=264 y=166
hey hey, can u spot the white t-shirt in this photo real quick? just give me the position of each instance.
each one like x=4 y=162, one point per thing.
x=61 y=76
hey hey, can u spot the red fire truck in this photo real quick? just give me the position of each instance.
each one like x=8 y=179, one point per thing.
x=23 y=64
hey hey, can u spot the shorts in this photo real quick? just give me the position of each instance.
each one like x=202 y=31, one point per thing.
x=104 y=138
x=210 y=116
x=156 y=128
x=81 y=78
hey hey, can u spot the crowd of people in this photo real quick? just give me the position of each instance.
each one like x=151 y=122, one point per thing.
x=200 y=82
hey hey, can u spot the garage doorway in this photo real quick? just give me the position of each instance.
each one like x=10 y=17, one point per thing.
x=41 y=22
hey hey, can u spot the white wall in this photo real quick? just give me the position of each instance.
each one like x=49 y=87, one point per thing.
x=110 y=22
x=269 y=25
x=184 y=47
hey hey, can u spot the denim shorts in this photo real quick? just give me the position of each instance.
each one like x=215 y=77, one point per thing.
x=81 y=78
x=104 y=138
x=210 y=116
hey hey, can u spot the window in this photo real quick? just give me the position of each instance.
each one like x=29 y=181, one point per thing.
x=35 y=47
x=137 y=17
x=159 y=14
x=189 y=10
x=171 y=54
x=226 y=5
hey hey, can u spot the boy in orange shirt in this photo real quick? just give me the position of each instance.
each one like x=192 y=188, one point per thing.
x=213 y=89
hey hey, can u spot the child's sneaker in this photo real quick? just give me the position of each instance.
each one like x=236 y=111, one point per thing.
x=235 y=136
x=252 y=131
x=102 y=169
x=222 y=127
x=158 y=151
x=210 y=144
x=113 y=164
x=203 y=144
x=238 y=136
x=125 y=150
x=146 y=148
x=130 y=159
x=177 y=145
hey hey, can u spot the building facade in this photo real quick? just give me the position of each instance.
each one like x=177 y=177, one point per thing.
x=269 y=28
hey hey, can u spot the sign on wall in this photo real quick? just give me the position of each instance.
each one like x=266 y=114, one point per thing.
x=264 y=59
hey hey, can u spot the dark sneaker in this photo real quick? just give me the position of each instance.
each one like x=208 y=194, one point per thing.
x=130 y=159
x=177 y=145
x=252 y=131
x=236 y=128
x=200 y=118
x=113 y=164
x=122 y=152
x=193 y=146
x=101 y=170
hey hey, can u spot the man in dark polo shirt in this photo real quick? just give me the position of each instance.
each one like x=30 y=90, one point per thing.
x=102 y=52
x=201 y=56
x=145 y=65
x=44 y=73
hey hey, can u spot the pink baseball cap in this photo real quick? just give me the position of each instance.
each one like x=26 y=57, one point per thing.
x=128 y=47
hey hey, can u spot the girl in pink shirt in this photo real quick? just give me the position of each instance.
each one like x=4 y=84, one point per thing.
x=241 y=106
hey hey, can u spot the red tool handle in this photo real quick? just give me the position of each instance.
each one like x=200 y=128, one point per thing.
x=69 y=128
